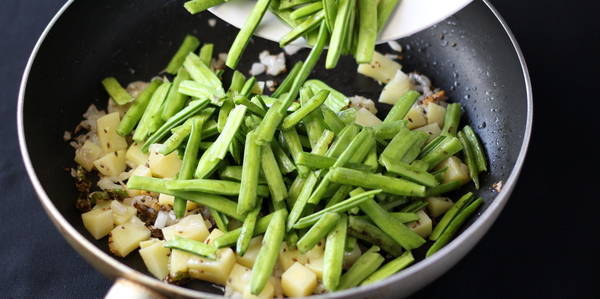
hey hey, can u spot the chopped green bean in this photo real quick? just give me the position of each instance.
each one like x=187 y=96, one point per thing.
x=364 y=230
x=443 y=188
x=116 y=91
x=367 y=34
x=247 y=231
x=390 y=268
x=269 y=252
x=384 y=11
x=220 y=220
x=333 y=122
x=189 y=45
x=306 y=10
x=288 y=81
x=206 y=53
x=229 y=238
x=192 y=246
x=318 y=231
x=338 y=33
x=273 y=174
x=247 y=199
x=451 y=119
x=376 y=181
x=364 y=266
x=449 y=215
x=477 y=148
x=243 y=37
x=255 y=109
x=330 y=8
x=175 y=100
x=135 y=112
x=189 y=163
x=151 y=118
x=469 y=158
x=197 y=6
x=219 y=187
x=334 y=254
x=308 y=25
x=446 y=149
x=237 y=82
x=308 y=107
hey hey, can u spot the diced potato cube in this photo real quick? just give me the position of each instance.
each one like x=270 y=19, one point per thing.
x=98 y=221
x=438 y=205
x=190 y=227
x=149 y=242
x=314 y=259
x=101 y=204
x=156 y=258
x=178 y=264
x=111 y=164
x=135 y=157
x=216 y=271
x=251 y=253
x=288 y=256
x=416 y=117
x=456 y=170
x=435 y=114
x=298 y=281
x=141 y=170
x=351 y=256
x=125 y=238
x=239 y=281
x=433 y=130
x=168 y=200
x=394 y=89
x=107 y=126
x=215 y=233
x=121 y=213
x=87 y=154
x=365 y=118
x=422 y=226
x=163 y=166
x=381 y=68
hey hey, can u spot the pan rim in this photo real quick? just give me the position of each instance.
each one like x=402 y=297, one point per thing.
x=459 y=246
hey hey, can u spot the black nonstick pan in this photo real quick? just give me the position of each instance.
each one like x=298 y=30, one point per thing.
x=472 y=55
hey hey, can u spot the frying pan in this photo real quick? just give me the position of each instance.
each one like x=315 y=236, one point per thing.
x=472 y=55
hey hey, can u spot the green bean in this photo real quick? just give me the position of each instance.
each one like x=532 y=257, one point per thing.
x=247 y=199
x=285 y=163
x=306 y=10
x=234 y=173
x=390 y=268
x=388 y=130
x=295 y=148
x=371 y=160
x=201 y=73
x=237 y=82
x=414 y=206
x=224 y=111
x=449 y=215
x=135 y=112
x=402 y=106
x=453 y=227
x=330 y=8
x=334 y=254
x=206 y=53
x=302 y=200
x=431 y=145
x=286 y=4
x=367 y=34
x=446 y=149
x=443 y=188
x=255 y=109
x=340 y=207
x=291 y=238
x=336 y=101
x=384 y=11
x=469 y=158
x=363 y=151
x=248 y=85
x=409 y=172
x=189 y=163
x=419 y=165
x=308 y=25
x=220 y=220
x=451 y=119
x=268 y=253
x=322 y=162
x=364 y=230
x=295 y=190
x=308 y=107
x=197 y=6
x=288 y=81
x=151 y=117
x=178 y=136
x=175 y=120
x=189 y=45
x=175 y=100
x=364 y=266
x=219 y=187
x=349 y=45
x=338 y=33
x=376 y=181
x=216 y=202
x=339 y=195
x=273 y=174
x=210 y=129
x=477 y=148
x=192 y=246
x=260 y=99
x=247 y=231
x=318 y=231
x=333 y=122
x=387 y=223
x=229 y=238
x=116 y=91
x=393 y=204
x=198 y=90
x=243 y=37
x=211 y=158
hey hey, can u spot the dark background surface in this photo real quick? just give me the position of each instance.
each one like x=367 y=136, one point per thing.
x=545 y=243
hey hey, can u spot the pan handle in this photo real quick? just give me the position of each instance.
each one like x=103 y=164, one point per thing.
x=123 y=288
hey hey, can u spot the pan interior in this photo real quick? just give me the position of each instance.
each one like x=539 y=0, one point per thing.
x=469 y=55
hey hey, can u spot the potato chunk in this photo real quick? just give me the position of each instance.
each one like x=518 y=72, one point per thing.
x=125 y=238
x=190 y=227
x=135 y=157
x=298 y=281
x=168 y=200
x=163 y=166
x=87 y=154
x=121 y=213
x=239 y=282
x=111 y=164
x=107 y=126
x=416 y=117
x=365 y=118
x=422 y=226
x=98 y=221
x=156 y=258
x=394 y=89
x=456 y=170
x=381 y=68
x=432 y=130
x=438 y=205
x=215 y=271
x=314 y=259
x=249 y=257
x=288 y=256
x=435 y=114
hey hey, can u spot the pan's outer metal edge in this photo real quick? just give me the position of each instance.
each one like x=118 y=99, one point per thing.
x=451 y=252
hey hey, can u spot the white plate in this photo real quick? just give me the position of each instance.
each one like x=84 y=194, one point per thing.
x=410 y=17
